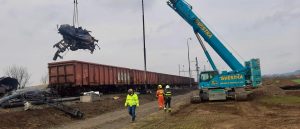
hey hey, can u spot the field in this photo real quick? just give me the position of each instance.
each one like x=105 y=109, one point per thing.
x=296 y=80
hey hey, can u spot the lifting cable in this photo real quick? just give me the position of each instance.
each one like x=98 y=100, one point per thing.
x=75 y=14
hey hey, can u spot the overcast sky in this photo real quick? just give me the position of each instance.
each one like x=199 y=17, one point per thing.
x=265 y=29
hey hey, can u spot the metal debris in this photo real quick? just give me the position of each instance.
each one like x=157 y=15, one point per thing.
x=74 y=39
x=28 y=97
x=27 y=106
x=8 y=84
x=97 y=93
x=116 y=97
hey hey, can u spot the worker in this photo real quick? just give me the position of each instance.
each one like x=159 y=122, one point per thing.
x=167 y=96
x=132 y=101
x=160 y=97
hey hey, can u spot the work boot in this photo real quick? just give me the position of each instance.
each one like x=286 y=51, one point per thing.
x=165 y=109
x=132 y=119
x=169 y=110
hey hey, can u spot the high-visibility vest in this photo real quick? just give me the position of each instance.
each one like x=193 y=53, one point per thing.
x=168 y=93
x=160 y=92
x=132 y=100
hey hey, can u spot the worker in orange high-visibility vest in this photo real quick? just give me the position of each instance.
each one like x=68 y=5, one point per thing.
x=160 y=97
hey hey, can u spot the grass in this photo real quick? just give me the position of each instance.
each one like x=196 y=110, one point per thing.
x=296 y=80
x=285 y=100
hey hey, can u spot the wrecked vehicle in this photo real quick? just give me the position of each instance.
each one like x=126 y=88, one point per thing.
x=37 y=97
x=8 y=84
x=74 y=39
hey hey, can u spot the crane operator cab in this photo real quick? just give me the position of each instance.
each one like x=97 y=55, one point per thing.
x=208 y=86
x=206 y=79
x=207 y=76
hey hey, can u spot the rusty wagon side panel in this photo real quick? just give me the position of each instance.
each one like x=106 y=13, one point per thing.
x=79 y=75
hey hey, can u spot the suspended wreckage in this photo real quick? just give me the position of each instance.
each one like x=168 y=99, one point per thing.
x=74 y=39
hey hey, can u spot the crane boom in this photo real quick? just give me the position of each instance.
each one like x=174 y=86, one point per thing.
x=185 y=11
x=212 y=84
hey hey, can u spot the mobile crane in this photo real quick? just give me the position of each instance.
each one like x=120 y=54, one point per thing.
x=215 y=85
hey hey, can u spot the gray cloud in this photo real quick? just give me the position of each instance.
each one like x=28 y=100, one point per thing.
x=287 y=12
x=124 y=5
x=28 y=31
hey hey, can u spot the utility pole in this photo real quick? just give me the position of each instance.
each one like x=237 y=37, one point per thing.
x=183 y=70
x=179 y=69
x=145 y=60
x=197 y=69
x=187 y=42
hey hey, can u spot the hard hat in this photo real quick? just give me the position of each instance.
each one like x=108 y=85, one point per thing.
x=130 y=90
x=167 y=86
x=159 y=86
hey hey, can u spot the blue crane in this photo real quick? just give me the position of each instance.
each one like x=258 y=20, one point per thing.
x=215 y=85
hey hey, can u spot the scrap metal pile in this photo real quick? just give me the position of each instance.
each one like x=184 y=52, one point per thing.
x=33 y=96
x=74 y=39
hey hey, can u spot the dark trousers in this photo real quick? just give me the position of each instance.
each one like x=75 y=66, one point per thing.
x=131 y=111
x=168 y=102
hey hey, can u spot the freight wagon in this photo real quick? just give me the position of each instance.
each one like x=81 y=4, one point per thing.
x=73 y=77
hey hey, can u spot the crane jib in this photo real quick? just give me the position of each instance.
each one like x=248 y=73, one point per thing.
x=185 y=11
x=204 y=28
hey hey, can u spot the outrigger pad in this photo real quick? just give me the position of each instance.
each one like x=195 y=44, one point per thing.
x=74 y=39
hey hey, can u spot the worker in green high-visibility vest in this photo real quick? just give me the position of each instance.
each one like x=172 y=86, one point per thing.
x=167 y=96
x=132 y=101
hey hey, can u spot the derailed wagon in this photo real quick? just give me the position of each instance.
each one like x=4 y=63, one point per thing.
x=73 y=77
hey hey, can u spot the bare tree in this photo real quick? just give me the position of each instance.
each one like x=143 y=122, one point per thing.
x=20 y=73
x=45 y=78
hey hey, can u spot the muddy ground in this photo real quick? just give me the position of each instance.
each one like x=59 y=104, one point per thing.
x=225 y=115
x=270 y=107
x=47 y=117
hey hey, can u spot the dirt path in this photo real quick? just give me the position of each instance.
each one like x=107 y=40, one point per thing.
x=120 y=118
